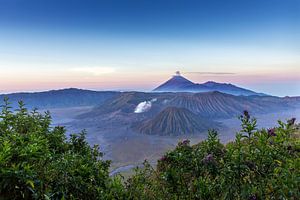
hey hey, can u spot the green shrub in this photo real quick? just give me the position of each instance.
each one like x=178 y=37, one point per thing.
x=259 y=164
x=37 y=161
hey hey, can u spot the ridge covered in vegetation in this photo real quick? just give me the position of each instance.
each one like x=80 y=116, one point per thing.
x=38 y=161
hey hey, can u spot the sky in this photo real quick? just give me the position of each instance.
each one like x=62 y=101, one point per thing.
x=138 y=44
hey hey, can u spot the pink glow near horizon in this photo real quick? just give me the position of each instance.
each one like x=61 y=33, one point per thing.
x=134 y=81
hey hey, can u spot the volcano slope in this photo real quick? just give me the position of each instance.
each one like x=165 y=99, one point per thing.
x=174 y=121
x=126 y=102
x=178 y=83
x=120 y=110
x=220 y=105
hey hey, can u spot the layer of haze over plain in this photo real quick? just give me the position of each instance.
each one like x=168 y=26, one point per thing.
x=137 y=44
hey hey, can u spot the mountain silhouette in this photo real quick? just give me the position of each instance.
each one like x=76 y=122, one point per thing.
x=71 y=97
x=178 y=83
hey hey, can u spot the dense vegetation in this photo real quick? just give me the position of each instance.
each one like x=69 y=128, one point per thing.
x=37 y=161
x=259 y=164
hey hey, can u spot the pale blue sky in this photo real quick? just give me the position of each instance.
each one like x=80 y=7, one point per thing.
x=138 y=44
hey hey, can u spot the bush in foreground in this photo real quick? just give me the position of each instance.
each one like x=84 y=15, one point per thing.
x=38 y=162
x=259 y=164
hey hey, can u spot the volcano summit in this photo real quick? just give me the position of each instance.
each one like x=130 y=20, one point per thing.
x=178 y=83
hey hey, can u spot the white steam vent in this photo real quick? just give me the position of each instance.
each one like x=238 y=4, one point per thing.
x=144 y=106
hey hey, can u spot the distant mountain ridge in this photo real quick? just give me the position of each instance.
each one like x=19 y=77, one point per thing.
x=161 y=113
x=71 y=97
x=180 y=84
x=206 y=104
x=172 y=113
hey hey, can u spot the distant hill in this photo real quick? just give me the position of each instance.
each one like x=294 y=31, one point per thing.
x=126 y=103
x=60 y=98
x=180 y=84
x=141 y=109
x=158 y=118
x=121 y=107
x=207 y=104
x=220 y=105
x=173 y=121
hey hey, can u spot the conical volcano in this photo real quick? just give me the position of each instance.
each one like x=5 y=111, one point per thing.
x=173 y=84
x=173 y=121
x=180 y=84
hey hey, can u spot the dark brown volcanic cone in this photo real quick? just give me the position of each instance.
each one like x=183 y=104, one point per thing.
x=175 y=121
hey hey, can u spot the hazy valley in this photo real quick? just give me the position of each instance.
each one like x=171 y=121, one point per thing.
x=133 y=126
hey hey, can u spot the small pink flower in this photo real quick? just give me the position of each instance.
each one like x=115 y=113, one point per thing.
x=164 y=158
x=246 y=114
x=291 y=121
x=185 y=142
x=208 y=159
x=271 y=132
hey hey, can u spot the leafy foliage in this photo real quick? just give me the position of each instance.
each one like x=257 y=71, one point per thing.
x=259 y=164
x=38 y=162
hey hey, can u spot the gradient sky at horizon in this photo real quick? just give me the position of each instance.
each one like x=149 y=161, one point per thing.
x=137 y=44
